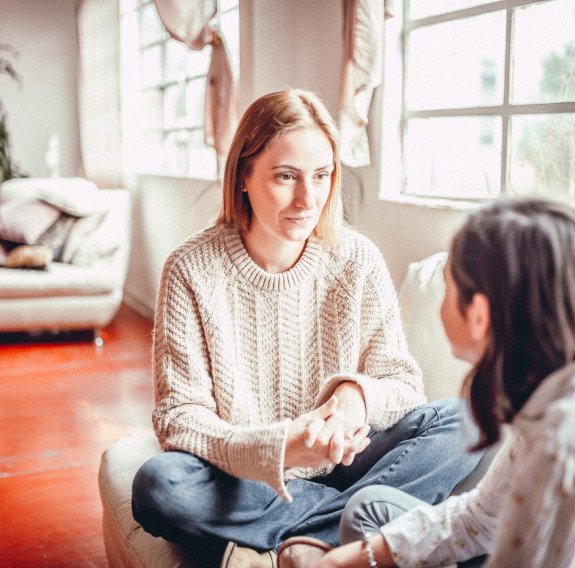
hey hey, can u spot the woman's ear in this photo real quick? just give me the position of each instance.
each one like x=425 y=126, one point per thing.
x=478 y=315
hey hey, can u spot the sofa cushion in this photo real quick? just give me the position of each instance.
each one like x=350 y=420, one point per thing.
x=420 y=298
x=127 y=544
x=59 y=279
x=24 y=220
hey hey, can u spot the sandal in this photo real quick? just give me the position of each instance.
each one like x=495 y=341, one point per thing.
x=301 y=552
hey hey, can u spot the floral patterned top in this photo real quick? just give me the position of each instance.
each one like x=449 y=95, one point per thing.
x=522 y=513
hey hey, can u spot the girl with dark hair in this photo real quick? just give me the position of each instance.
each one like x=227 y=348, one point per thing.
x=509 y=309
x=277 y=345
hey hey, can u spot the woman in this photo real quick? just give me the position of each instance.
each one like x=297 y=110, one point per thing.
x=277 y=343
x=509 y=309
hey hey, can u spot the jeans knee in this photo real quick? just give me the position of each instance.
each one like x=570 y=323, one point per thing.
x=446 y=408
x=145 y=485
x=153 y=485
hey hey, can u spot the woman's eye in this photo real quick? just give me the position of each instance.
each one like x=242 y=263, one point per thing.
x=287 y=176
x=323 y=176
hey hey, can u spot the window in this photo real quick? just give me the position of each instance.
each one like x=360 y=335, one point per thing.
x=163 y=84
x=485 y=92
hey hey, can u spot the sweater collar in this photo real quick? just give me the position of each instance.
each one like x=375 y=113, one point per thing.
x=263 y=280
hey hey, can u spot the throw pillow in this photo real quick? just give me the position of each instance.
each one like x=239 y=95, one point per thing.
x=55 y=236
x=80 y=236
x=24 y=220
x=27 y=256
x=75 y=195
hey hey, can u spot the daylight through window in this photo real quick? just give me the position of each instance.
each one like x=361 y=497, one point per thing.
x=163 y=85
x=486 y=99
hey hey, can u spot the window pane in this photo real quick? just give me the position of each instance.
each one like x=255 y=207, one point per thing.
x=195 y=97
x=424 y=8
x=152 y=66
x=175 y=105
x=544 y=53
x=151 y=117
x=457 y=64
x=230 y=25
x=198 y=62
x=543 y=155
x=128 y=6
x=152 y=27
x=176 y=153
x=465 y=164
x=176 y=60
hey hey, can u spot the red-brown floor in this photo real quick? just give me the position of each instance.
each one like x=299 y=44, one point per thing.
x=62 y=404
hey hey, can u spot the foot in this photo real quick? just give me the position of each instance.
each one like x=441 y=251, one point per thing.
x=236 y=556
x=301 y=552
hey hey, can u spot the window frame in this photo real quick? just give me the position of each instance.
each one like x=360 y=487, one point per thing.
x=395 y=115
x=167 y=127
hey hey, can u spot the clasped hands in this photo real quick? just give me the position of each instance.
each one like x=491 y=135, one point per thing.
x=334 y=433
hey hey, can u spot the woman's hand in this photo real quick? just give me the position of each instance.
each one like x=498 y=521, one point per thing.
x=345 y=423
x=324 y=436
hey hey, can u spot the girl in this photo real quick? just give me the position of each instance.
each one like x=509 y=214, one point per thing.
x=277 y=343
x=509 y=309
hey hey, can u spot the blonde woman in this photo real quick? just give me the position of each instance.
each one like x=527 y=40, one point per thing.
x=283 y=379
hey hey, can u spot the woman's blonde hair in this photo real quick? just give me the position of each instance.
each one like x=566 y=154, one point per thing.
x=265 y=120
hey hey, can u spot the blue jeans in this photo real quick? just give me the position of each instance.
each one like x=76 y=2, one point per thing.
x=375 y=506
x=186 y=500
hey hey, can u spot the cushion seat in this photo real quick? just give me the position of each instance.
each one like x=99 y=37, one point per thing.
x=127 y=544
x=59 y=279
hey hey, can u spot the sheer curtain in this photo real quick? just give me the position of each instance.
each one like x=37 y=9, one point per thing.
x=194 y=22
x=362 y=72
x=99 y=91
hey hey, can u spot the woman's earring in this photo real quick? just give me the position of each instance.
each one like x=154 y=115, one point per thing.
x=244 y=189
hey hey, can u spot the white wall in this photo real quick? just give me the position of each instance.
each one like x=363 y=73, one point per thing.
x=44 y=32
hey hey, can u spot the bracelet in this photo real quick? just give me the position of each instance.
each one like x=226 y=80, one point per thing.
x=369 y=552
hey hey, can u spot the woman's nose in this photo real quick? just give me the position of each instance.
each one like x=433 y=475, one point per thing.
x=304 y=194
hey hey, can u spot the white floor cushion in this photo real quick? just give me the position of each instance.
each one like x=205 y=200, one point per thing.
x=127 y=544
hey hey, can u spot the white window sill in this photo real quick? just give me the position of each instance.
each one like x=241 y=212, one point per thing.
x=436 y=202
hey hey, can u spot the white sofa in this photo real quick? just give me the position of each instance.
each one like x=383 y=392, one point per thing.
x=420 y=296
x=82 y=287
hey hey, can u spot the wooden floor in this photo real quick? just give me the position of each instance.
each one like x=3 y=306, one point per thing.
x=62 y=403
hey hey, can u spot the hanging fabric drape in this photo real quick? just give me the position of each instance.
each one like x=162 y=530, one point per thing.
x=362 y=72
x=99 y=91
x=193 y=23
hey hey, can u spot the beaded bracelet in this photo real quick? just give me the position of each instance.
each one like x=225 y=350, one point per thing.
x=369 y=552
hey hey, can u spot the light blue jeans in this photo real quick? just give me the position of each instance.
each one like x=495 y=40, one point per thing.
x=188 y=501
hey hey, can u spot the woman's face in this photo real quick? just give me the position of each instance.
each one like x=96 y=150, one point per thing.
x=466 y=333
x=289 y=185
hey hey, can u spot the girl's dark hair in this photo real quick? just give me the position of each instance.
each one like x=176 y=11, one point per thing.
x=521 y=255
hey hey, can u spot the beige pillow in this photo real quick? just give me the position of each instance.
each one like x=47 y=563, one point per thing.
x=29 y=256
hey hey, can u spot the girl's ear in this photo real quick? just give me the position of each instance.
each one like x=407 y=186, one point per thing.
x=479 y=317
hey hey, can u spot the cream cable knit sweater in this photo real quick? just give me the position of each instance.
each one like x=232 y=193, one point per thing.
x=239 y=352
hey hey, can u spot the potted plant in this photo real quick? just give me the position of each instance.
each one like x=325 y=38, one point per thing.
x=8 y=169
